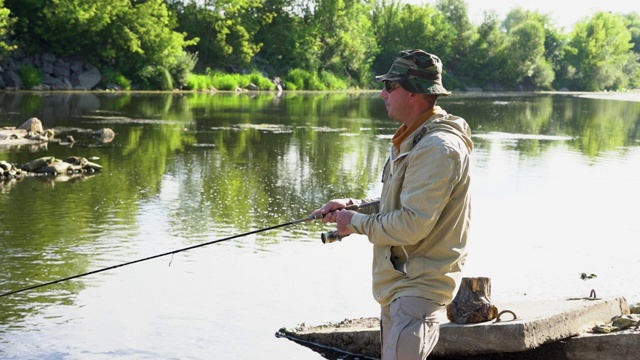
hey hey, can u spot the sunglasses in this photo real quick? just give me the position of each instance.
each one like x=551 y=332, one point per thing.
x=389 y=86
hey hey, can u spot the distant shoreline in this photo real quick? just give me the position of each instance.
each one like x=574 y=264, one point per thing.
x=622 y=96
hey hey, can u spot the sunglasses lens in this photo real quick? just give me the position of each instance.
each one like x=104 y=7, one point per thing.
x=387 y=86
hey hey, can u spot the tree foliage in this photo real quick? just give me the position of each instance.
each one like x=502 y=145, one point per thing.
x=226 y=29
x=5 y=28
x=130 y=36
x=158 y=43
x=407 y=26
x=599 y=50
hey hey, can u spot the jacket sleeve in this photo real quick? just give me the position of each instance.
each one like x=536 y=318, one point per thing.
x=373 y=209
x=430 y=176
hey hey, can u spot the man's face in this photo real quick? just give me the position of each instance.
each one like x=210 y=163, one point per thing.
x=395 y=100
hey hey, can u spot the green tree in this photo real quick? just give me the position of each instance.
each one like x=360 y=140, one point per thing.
x=343 y=39
x=632 y=21
x=456 y=13
x=633 y=65
x=288 y=38
x=527 y=54
x=526 y=67
x=5 y=30
x=485 y=61
x=407 y=26
x=143 y=39
x=226 y=29
x=120 y=35
x=599 y=49
x=26 y=14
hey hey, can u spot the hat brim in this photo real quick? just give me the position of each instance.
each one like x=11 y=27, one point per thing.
x=434 y=89
x=389 y=77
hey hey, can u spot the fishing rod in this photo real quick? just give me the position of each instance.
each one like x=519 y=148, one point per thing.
x=310 y=218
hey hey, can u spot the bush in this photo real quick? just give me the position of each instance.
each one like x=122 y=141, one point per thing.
x=262 y=82
x=31 y=76
x=155 y=78
x=182 y=68
x=298 y=79
x=332 y=81
x=116 y=78
x=223 y=81
x=199 y=82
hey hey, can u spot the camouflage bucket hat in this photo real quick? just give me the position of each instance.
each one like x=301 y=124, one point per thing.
x=418 y=72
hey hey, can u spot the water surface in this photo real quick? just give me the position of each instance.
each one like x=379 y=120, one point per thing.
x=555 y=186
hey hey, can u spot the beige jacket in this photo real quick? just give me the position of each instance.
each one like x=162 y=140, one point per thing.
x=420 y=229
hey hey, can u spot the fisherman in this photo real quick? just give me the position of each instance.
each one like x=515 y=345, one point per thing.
x=419 y=230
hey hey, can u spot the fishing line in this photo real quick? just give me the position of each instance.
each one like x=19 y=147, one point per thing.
x=352 y=207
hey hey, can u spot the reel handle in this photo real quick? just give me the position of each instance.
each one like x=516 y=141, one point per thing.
x=333 y=236
x=330 y=237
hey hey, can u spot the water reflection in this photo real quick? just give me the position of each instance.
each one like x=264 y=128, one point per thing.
x=189 y=168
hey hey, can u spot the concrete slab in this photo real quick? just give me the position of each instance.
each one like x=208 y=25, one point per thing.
x=618 y=345
x=537 y=323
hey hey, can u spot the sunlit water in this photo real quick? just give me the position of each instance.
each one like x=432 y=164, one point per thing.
x=555 y=188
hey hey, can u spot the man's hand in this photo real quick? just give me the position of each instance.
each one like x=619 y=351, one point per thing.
x=332 y=212
x=343 y=218
x=328 y=208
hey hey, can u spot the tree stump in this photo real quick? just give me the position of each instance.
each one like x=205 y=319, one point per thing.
x=472 y=303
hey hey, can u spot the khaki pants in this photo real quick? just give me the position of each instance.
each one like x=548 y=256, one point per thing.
x=409 y=329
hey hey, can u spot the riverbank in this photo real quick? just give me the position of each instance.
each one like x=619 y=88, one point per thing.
x=620 y=96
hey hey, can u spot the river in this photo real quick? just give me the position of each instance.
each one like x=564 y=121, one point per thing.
x=555 y=194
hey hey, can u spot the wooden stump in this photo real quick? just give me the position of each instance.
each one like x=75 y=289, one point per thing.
x=472 y=303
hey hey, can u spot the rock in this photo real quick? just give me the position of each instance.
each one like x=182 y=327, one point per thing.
x=12 y=134
x=76 y=67
x=61 y=69
x=35 y=165
x=90 y=78
x=33 y=125
x=47 y=68
x=49 y=58
x=56 y=83
x=56 y=167
x=51 y=166
x=8 y=170
x=12 y=79
x=105 y=135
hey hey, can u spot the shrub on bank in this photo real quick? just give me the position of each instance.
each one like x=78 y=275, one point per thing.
x=261 y=81
x=155 y=78
x=332 y=81
x=227 y=82
x=113 y=77
x=199 y=82
x=298 y=79
x=30 y=76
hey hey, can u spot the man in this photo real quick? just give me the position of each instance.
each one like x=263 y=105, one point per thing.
x=419 y=231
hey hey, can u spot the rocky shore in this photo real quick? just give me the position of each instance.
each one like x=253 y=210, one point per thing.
x=58 y=73
x=31 y=132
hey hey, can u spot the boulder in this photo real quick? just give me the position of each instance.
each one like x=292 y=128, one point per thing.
x=90 y=78
x=12 y=79
x=33 y=125
x=105 y=135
